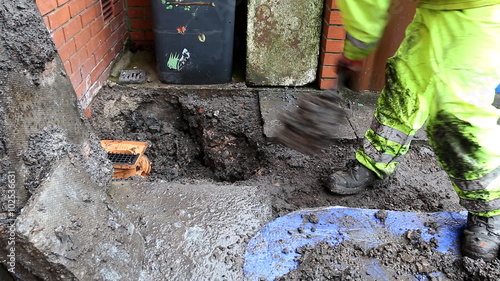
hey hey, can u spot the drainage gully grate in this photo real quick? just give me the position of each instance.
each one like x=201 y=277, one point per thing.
x=122 y=159
x=132 y=77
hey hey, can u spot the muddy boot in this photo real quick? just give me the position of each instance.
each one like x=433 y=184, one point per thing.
x=352 y=180
x=481 y=237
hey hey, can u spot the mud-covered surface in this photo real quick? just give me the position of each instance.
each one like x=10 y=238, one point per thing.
x=22 y=17
x=412 y=259
x=50 y=145
x=216 y=135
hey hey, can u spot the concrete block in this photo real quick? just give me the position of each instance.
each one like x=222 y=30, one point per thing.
x=283 y=39
x=69 y=230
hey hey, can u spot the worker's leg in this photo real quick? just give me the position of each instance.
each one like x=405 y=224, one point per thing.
x=402 y=109
x=463 y=125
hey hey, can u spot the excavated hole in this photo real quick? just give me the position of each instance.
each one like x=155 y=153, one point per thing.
x=217 y=134
x=189 y=135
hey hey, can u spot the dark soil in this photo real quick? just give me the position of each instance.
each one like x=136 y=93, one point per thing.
x=217 y=134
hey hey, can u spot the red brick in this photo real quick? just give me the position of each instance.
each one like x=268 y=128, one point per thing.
x=76 y=7
x=87 y=66
x=58 y=38
x=92 y=2
x=75 y=78
x=334 y=31
x=122 y=32
x=331 y=4
x=104 y=34
x=112 y=40
x=328 y=84
x=147 y=13
x=101 y=52
x=108 y=58
x=88 y=112
x=150 y=35
x=333 y=46
x=98 y=70
x=328 y=71
x=80 y=90
x=118 y=21
x=72 y=27
x=330 y=58
x=118 y=7
x=97 y=26
x=92 y=45
x=121 y=43
x=67 y=68
x=135 y=13
x=82 y=38
x=47 y=23
x=59 y=17
x=46 y=6
x=141 y=25
x=61 y=2
x=138 y=3
x=67 y=50
x=78 y=59
x=333 y=17
x=137 y=35
x=90 y=15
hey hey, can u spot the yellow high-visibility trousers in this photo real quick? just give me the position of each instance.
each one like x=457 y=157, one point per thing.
x=444 y=75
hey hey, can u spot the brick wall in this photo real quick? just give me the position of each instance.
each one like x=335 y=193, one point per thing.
x=140 y=23
x=332 y=44
x=86 y=42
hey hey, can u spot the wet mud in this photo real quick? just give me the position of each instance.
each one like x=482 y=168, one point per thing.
x=215 y=135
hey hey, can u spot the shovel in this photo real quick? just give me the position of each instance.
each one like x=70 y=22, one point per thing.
x=313 y=124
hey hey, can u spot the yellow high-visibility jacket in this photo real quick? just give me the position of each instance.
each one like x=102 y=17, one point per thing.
x=365 y=20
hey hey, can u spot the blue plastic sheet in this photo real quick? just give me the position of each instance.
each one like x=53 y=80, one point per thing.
x=271 y=252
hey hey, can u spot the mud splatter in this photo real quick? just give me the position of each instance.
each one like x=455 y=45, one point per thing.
x=455 y=147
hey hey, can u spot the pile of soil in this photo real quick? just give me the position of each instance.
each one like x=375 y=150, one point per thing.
x=216 y=134
x=413 y=260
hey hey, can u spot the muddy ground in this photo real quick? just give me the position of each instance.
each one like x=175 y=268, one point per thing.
x=216 y=135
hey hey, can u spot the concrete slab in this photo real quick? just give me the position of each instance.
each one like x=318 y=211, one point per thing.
x=70 y=231
x=283 y=39
x=195 y=231
x=359 y=108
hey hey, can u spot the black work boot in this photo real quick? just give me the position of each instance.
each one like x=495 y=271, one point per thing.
x=352 y=180
x=481 y=237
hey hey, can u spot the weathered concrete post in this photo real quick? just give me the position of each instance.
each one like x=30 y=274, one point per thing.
x=56 y=220
x=283 y=41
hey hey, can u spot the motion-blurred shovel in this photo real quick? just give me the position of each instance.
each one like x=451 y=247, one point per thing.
x=313 y=123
